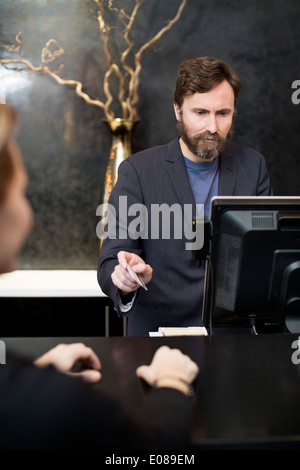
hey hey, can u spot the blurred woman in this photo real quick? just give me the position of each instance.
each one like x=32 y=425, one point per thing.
x=41 y=406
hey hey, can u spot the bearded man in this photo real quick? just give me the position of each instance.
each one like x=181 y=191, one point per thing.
x=186 y=172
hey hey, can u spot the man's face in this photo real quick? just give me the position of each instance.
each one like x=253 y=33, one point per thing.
x=205 y=122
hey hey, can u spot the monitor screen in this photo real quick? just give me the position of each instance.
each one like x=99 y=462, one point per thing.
x=253 y=266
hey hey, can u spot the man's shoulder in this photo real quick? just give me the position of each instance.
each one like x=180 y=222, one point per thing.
x=158 y=152
x=238 y=150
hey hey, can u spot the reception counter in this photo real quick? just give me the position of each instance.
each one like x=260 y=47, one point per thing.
x=51 y=302
x=247 y=395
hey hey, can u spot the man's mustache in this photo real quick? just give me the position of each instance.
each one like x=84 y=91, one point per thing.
x=208 y=135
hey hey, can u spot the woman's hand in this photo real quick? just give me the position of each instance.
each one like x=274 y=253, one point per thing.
x=169 y=368
x=64 y=356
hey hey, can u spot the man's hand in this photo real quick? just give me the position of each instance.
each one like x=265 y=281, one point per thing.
x=121 y=277
x=64 y=356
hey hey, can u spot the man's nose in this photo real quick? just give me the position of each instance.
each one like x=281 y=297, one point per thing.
x=211 y=125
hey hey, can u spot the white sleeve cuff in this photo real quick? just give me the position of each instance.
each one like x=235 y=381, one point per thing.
x=125 y=307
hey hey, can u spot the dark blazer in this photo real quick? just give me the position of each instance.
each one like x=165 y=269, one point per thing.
x=156 y=176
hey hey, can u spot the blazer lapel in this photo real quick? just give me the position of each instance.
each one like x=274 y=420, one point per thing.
x=227 y=172
x=176 y=170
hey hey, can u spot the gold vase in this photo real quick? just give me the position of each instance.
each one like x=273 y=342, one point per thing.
x=121 y=131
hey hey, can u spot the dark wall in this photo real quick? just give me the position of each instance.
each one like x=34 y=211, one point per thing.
x=64 y=141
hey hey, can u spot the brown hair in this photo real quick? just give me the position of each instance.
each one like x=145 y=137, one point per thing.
x=8 y=119
x=202 y=74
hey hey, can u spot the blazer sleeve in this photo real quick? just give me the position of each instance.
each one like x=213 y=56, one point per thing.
x=42 y=409
x=264 y=187
x=125 y=194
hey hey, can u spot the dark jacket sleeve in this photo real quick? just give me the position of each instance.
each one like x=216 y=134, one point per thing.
x=43 y=409
x=264 y=187
x=125 y=194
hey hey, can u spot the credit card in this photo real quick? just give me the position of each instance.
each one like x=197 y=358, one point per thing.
x=136 y=277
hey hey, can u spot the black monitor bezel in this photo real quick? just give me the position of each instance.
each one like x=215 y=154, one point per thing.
x=220 y=204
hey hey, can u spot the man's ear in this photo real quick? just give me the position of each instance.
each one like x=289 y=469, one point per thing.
x=177 y=111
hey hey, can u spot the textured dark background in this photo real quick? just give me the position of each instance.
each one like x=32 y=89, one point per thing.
x=64 y=141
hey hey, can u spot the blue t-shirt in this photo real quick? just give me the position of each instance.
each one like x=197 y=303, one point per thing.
x=204 y=179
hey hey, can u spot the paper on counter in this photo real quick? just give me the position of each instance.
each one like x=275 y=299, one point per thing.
x=180 y=331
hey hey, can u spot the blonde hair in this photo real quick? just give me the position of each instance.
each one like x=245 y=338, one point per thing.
x=8 y=121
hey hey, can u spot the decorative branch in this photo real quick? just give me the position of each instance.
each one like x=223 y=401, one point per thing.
x=127 y=74
x=138 y=66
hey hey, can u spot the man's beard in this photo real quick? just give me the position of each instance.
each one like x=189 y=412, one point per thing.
x=198 y=145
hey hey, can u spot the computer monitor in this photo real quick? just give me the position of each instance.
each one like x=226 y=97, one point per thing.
x=253 y=265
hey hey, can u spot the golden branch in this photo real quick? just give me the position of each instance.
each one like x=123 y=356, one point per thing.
x=133 y=86
x=48 y=56
x=127 y=75
x=130 y=44
x=14 y=47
